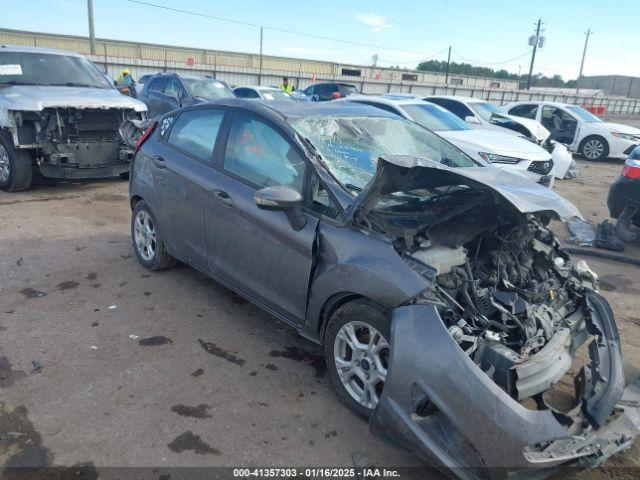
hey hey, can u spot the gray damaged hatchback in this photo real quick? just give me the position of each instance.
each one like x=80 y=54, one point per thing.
x=449 y=315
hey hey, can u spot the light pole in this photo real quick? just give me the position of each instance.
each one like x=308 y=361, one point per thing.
x=535 y=41
x=584 y=54
x=92 y=34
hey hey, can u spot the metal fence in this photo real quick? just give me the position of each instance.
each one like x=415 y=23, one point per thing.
x=249 y=69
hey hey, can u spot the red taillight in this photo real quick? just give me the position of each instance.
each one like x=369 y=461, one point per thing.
x=631 y=169
x=145 y=135
x=336 y=95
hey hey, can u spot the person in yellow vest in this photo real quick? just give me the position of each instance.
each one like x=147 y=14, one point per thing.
x=285 y=86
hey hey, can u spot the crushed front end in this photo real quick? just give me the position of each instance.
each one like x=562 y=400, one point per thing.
x=509 y=361
x=71 y=142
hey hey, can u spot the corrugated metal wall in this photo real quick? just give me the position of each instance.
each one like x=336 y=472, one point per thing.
x=244 y=69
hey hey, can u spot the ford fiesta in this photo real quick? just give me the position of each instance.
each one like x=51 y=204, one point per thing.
x=448 y=313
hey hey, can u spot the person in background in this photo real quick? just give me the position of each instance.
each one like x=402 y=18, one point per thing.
x=126 y=84
x=285 y=86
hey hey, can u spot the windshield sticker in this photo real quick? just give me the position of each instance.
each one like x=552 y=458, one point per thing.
x=268 y=96
x=10 y=70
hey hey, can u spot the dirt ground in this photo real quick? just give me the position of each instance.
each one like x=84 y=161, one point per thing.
x=105 y=364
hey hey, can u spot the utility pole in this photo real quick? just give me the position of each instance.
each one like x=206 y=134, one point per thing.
x=535 y=41
x=92 y=33
x=446 y=77
x=374 y=60
x=260 y=69
x=584 y=54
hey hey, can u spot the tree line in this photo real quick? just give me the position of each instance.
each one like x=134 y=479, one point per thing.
x=455 y=68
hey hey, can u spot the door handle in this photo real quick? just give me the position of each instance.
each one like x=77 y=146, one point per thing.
x=223 y=197
x=159 y=162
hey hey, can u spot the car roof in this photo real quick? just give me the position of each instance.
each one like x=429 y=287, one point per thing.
x=50 y=51
x=257 y=87
x=388 y=101
x=290 y=110
x=190 y=76
x=541 y=102
x=460 y=99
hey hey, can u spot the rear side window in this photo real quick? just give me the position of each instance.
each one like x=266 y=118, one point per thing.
x=195 y=132
x=526 y=111
x=157 y=84
x=259 y=154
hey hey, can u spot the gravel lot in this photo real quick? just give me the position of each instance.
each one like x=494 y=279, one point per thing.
x=171 y=369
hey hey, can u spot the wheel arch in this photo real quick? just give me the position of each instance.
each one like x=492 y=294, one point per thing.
x=591 y=136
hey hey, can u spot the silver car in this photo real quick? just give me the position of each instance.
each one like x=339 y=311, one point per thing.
x=59 y=117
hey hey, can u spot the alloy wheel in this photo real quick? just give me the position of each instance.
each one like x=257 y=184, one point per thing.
x=361 y=356
x=5 y=166
x=144 y=232
x=593 y=149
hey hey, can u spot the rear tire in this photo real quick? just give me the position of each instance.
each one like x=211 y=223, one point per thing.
x=16 y=167
x=147 y=239
x=356 y=349
x=594 y=148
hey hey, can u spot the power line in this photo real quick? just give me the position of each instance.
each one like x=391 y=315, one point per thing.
x=274 y=29
x=503 y=62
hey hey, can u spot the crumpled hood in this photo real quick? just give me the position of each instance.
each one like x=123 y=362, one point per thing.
x=496 y=142
x=401 y=173
x=619 y=127
x=37 y=98
x=536 y=128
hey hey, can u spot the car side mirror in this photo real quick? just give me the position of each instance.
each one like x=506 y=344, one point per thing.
x=472 y=119
x=285 y=200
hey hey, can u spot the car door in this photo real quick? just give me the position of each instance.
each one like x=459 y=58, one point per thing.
x=527 y=110
x=257 y=251
x=153 y=95
x=169 y=100
x=185 y=159
x=560 y=123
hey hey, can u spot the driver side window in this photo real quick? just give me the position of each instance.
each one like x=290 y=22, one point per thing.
x=259 y=154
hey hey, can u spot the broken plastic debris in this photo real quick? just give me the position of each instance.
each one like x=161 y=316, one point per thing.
x=133 y=337
x=581 y=232
x=93 y=347
x=37 y=366
x=112 y=307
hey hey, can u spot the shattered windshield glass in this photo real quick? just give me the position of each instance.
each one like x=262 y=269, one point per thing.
x=350 y=146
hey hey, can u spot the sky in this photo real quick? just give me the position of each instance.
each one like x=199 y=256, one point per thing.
x=492 y=33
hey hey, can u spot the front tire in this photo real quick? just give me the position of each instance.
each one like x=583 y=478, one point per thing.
x=148 y=243
x=16 y=167
x=594 y=148
x=356 y=350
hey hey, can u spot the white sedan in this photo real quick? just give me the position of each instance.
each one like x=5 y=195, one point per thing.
x=582 y=131
x=484 y=115
x=502 y=150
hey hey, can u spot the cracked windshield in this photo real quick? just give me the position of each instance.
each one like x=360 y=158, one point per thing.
x=350 y=146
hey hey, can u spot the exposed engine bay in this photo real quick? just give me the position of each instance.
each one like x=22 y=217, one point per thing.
x=508 y=295
x=73 y=138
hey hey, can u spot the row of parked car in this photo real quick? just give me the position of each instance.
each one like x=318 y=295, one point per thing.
x=60 y=116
